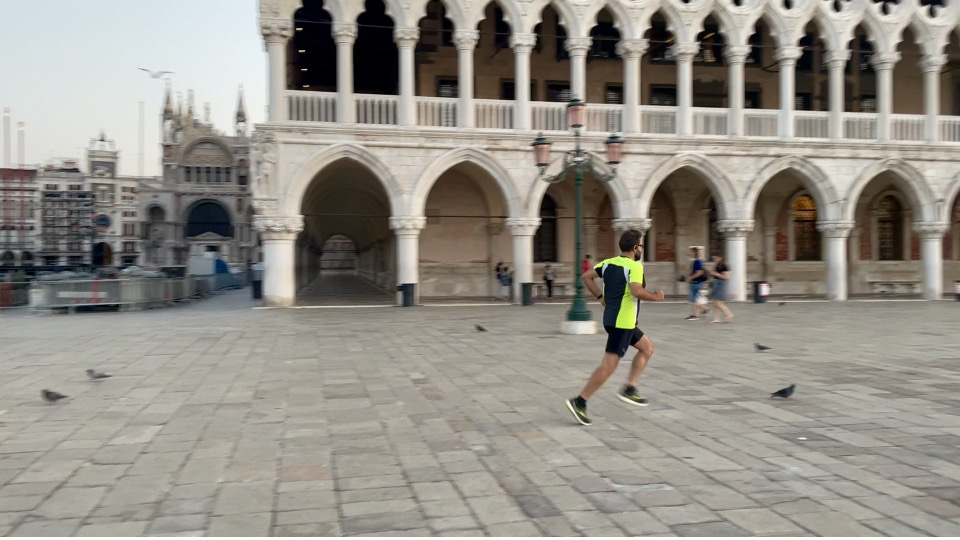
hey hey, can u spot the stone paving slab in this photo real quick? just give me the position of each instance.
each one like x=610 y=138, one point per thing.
x=223 y=420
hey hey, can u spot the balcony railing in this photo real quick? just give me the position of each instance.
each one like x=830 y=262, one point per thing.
x=656 y=120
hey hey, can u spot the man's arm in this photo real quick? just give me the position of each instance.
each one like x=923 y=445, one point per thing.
x=637 y=290
x=589 y=282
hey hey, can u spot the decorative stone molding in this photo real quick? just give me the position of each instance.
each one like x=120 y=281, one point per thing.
x=884 y=61
x=835 y=229
x=523 y=42
x=466 y=39
x=837 y=59
x=632 y=48
x=735 y=228
x=523 y=226
x=278 y=227
x=263 y=159
x=344 y=32
x=933 y=62
x=621 y=225
x=578 y=45
x=736 y=54
x=265 y=207
x=407 y=225
x=494 y=229
x=406 y=36
x=788 y=54
x=930 y=231
x=685 y=51
x=276 y=31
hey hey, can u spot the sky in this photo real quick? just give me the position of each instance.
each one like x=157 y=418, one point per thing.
x=69 y=70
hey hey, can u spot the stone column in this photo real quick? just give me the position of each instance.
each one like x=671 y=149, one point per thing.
x=736 y=56
x=577 y=48
x=406 y=38
x=631 y=50
x=883 y=66
x=735 y=234
x=835 y=233
x=853 y=252
x=407 y=229
x=683 y=53
x=931 y=251
x=769 y=252
x=522 y=46
x=787 y=57
x=837 y=62
x=523 y=230
x=279 y=236
x=931 y=66
x=466 y=41
x=345 y=34
x=275 y=34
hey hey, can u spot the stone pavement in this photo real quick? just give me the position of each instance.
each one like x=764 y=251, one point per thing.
x=224 y=420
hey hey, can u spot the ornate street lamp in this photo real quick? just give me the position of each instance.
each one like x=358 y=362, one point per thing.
x=578 y=160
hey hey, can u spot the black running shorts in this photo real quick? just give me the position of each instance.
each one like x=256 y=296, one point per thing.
x=620 y=339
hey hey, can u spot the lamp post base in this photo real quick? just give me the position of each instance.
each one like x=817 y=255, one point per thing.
x=578 y=328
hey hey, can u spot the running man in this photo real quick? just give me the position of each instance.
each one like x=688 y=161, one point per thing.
x=622 y=291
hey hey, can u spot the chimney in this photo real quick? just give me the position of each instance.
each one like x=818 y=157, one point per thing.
x=22 y=149
x=6 y=137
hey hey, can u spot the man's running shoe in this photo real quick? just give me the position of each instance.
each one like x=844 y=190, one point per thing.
x=632 y=396
x=580 y=413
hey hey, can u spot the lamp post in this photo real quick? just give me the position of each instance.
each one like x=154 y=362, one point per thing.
x=578 y=160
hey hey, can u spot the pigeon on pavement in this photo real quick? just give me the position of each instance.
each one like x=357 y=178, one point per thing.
x=761 y=348
x=784 y=392
x=480 y=328
x=95 y=375
x=50 y=396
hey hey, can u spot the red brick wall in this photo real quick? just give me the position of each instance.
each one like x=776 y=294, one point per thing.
x=914 y=247
x=783 y=244
x=666 y=235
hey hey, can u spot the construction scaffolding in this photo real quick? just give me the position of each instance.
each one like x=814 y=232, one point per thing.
x=67 y=227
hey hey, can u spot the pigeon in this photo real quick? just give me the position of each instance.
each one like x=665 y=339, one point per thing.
x=480 y=328
x=761 y=348
x=783 y=392
x=50 y=396
x=95 y=375
x=155 y=74
x=782 y=304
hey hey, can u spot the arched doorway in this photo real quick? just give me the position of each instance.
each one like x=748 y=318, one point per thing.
x=26 y=258
x=209 y=228
x=338 y=253
x=102 y=254
x=8 y=259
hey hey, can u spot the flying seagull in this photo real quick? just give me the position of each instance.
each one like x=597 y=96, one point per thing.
x=480 y=328
x=784 y=392
x=50 y=396
x=761 y=348
x=94 y=374
x=155 y=74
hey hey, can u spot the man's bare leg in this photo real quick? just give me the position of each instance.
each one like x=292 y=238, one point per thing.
x=600 y=375
x=644 y=352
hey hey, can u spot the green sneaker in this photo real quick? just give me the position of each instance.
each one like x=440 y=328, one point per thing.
x=632 y=397
x=580 y=413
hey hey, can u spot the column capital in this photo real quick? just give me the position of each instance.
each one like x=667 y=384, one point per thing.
x=837 y=58
x=407 y=225
x=622 y=225
x=276 y=31
x=684 y=52
x=465 y=40
x=835 y=229
x=735 y=228
x=344 y=32
x=523 y=42
x=406 y=36
x=278 y=227
x=736 y=54
x=523 y=226
x=933 y=62
x=884 y=61
x=578 y=45
x=632 y=48
x=930 y=230
x=788 y=54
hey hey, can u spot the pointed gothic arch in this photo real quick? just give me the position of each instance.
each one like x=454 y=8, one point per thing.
x=720 y=185
x=482 y=159
x=810 y=175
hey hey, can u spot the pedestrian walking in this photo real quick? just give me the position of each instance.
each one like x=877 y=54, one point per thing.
x=549 y=275
x=505 y=280
x=718 y=292
x=498 y=273
x=622 y=291
x=696 y=278
x=585 y=265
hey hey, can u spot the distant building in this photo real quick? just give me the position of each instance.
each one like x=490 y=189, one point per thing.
x=18 y=217
x=117 y=206
x=66 y=212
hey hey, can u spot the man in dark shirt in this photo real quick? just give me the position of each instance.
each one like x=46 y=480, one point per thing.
x=622 y=291
x=697 y=277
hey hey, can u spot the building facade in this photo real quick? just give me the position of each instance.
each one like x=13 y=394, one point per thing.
x=814 y=143
x=116 y=213
x=18 y=217
x=202 y=200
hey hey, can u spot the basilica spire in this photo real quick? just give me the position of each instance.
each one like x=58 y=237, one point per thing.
x=167 y=103
x=241 y=123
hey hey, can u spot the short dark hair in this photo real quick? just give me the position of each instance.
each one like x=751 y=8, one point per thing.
x=630 y=240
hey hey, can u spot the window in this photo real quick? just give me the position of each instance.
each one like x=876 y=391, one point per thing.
x=613 y=95
x=866 y=51
x=752 y=99
x=890 y=229
x=50 y=187
x=501 y=31
x=239 y=206
x=545 y=241
x=663 y=95
x=447 y=88
x=508 y=90
x=561 y=34
x=806 y=238
x=558 y=92
x=605 y=38
x=756 y=47
x=868 y=103
x=808 y=45
x=803 y=101
x=660 y=43
x=129 y=247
